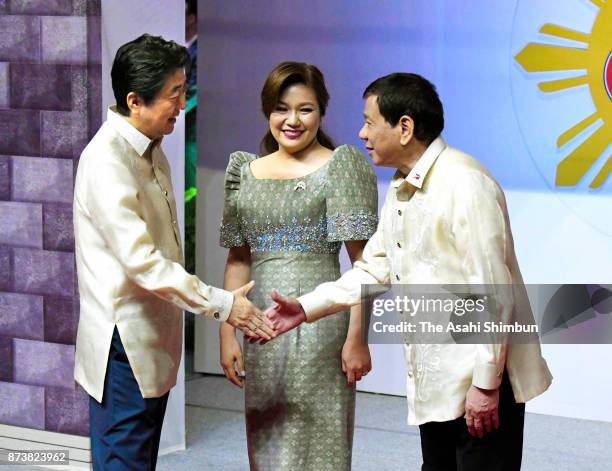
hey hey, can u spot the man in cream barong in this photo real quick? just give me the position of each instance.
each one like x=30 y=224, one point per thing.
x=444 y=221
x=132 y=284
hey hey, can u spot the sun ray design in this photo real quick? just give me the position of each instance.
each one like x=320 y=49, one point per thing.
x=565 y=33
x=546 y=58
x=603 y=174
x=579 y=161
x=562 y=84
x=594 y=58
x=576 y=129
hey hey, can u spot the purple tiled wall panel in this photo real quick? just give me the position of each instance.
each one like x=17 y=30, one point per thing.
x=22 y=405
x=94 y=40
x=86 y=104
x=5 y=177
x=41 y=86
x=43 y=272
x=94 y=85
x=36 y=179
x=64 y=39
x=20 y=38
x=21 y=315
x=6 y=359
x=60 y=320
x=4 y=85
x=21 y=224
x=80 y=93
x=43 y=363
x=57 y=226
x=86 y=7
x=64 y=133
x=41 y=7
x=50 y=89
x=67 y=411
x=6 y=268
x=20 y=131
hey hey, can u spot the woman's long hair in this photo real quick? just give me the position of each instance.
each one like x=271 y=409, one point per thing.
x=280 y=78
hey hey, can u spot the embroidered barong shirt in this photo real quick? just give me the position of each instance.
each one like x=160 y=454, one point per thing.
x=129 y=262
x=446 y=222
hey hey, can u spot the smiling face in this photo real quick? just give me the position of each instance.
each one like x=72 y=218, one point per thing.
x=295 y=120
x=382 y=141
x=158 y=118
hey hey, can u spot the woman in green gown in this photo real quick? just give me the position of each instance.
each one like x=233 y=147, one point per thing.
x=285 y=217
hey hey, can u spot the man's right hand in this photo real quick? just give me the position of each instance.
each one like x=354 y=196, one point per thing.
x=286 y=313
x=246 y=317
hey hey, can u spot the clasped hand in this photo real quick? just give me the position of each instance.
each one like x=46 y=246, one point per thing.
x=284 y=314
x=246 y=317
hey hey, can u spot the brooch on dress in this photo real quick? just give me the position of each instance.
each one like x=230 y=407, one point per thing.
x=300 y=186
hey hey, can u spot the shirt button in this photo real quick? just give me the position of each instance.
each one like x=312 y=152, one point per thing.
x=410 y=374
x=216 y=315
x=399 y=211
x=174 y=222
x=166 y=192
x=397 y=277
x=399 y=245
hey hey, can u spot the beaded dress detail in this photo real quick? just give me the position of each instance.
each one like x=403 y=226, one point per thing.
x=299 y=410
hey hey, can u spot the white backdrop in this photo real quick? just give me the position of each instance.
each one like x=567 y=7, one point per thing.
x=123 y=21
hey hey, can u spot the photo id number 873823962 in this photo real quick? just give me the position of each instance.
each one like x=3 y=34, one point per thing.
x=34 y=457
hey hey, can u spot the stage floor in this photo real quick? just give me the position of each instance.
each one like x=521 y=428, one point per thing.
x=383 y=441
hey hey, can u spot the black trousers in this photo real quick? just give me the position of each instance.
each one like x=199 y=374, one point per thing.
x=448 y=446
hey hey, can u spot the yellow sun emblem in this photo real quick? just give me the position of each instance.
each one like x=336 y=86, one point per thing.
x=596 y=59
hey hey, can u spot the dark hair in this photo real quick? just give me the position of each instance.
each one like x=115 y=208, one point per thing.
x=142 y=66
x=407 y=94
x=279 y=79
x=191 y=7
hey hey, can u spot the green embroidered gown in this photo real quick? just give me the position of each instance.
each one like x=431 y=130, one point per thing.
x=299 y=409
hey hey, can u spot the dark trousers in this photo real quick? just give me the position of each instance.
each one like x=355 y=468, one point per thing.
x=448 y=446
x=125 y=429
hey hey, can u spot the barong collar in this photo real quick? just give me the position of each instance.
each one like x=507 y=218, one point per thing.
x=419 y=172
x=133 y=136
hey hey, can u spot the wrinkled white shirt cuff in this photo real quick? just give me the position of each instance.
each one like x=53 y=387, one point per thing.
x=487 y=376
x=314 y=306
x=221 y=304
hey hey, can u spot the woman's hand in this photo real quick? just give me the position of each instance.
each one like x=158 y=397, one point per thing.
x=356 y=361
x=231 y=359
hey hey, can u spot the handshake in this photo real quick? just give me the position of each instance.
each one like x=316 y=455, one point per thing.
x=284 y=314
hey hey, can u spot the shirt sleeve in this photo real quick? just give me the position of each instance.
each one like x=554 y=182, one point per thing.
x=112 y=200
x=484 y=243
x=372 y=269
x=230 y=233
x=352 y=197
